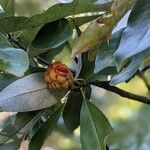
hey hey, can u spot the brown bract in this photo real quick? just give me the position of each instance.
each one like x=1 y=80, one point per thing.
x=58 y=76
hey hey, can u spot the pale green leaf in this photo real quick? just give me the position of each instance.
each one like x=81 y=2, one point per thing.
x=94 y=127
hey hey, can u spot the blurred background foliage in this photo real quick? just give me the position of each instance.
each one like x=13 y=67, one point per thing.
x=130 y=120
x=31 y=7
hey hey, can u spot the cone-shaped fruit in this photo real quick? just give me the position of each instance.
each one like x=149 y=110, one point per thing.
x=58 y=76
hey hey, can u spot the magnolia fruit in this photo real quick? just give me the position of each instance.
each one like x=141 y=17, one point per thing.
x=58 y=76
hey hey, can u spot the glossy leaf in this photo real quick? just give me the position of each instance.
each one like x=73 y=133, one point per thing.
x=94 y=127
x=4 y=42
x=122 y=23
x=105 y=55
x=28 y=94
x=12 y=24
x=26 y=37
x=8 y=8
x=54 y=2
x=60 y=11
x=87 y=67
x=131 y=69
x=11 y=145
x=52 y=14
x=87 y=70
x=51 y=54
x=103 y=74
x=93 y=34
x=79 y=66
x=105 y=58
x=99 y=2
x=135 y=38
x=99 y=30
x=71 y=113
x=14 y=61
x=52 y=35
x=45 y=130
x=6 y=79
x=19 y=126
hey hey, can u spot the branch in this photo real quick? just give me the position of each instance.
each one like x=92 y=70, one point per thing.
x=42 y=60
x=141 y=74
x=13 y=39
x=145 y=69
x=106 y=85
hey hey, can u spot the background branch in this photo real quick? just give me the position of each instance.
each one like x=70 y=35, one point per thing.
x=141 y=74
x=106 y=85
x=145 y=69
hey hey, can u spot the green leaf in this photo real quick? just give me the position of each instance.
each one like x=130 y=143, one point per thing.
x=52 y=35
x=131 y=69
x=12 y=24
x=6 y=79
x=103 y=74
x=94 y=127
x=105 y=58
x=18 y=127
x=28 y=94
x=14 y=61
x=79 y=66
x=91 y=36
x=87 y=70
x=8 y=8
x=100 y=29
x=71 y=113
x=99 y=2
x=135 y=38
x=45 y=130
x=60 y=11
x=50 y=55
x=47 y=113
x=105 y=53
x=4 y=42
x=87 y=67
x=11 y=145
x=26 y=37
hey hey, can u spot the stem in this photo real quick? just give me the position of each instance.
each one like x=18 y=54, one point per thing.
x=79 y=32
x=42 y=60
x=83 y=93
x=13 y=39
x=106 y=85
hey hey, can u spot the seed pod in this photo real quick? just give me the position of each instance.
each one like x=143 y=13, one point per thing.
x=58 y=76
